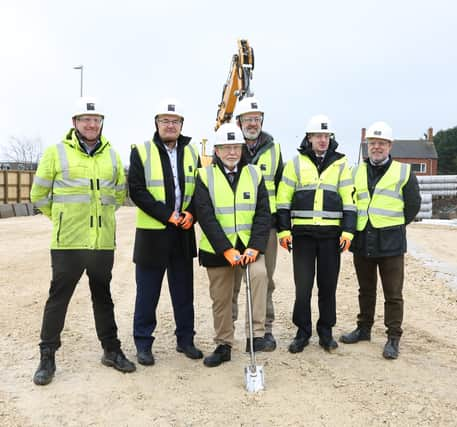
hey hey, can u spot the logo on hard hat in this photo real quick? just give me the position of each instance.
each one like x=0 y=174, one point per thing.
x=324 y=126
x=377 y=132
x=171 y=107
x=90 y=106
x=230 y=136
x=254 y=105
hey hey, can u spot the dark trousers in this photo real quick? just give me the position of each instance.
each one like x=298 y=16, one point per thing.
x=148 y=287
x=391 y=270
x=307 y=253
x=67 y=268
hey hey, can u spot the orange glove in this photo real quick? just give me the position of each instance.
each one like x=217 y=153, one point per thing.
x=286 y=242
x=232 y=256
x=186 y=220
x=345 y=244
x=175 y=219
x=249 y=255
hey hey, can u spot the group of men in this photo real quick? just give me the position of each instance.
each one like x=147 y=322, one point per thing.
x=244 y=202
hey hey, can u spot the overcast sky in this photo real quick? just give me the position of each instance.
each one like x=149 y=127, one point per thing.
x=356 y=61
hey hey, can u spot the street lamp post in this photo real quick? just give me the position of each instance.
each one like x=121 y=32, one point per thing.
x=80 y=67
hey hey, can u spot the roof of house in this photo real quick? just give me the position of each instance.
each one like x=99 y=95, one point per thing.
x=409 y=148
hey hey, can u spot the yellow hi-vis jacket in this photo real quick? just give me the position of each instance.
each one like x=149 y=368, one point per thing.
x=153 y=173
x=234 y=211
x=313 y=199
x=268 y=163
x=80 y=193
x=385 y=208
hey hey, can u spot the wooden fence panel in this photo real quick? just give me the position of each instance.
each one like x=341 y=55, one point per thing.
x=15 y=186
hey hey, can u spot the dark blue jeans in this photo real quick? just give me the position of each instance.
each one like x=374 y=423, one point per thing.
x=148 y=286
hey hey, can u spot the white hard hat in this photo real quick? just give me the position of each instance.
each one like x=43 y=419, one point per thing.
x=319 y=124
x=229 y=133
x=170 y=106
x=87 y=105
x=380 y=130
x=248 y=105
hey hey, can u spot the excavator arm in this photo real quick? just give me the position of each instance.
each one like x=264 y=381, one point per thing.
x=237 y=84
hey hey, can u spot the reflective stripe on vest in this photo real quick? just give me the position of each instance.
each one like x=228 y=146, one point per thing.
x=308 y=179
x=234 y=211
x=153 y=172
x=385 y=208
x=268 y=163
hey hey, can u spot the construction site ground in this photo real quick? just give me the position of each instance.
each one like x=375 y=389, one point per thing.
x=354 y=386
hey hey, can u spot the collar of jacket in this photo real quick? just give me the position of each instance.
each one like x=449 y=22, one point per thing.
x=181 y=142
x=264 y=142
x=71 y=139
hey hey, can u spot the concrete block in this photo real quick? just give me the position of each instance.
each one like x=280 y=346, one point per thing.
x=6 y=211
x=20 y=209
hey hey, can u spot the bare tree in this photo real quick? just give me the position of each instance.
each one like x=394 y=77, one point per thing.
x=25 y=152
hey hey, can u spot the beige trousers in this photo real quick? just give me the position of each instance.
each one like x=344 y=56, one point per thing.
x=221 y=286
x=271 y=253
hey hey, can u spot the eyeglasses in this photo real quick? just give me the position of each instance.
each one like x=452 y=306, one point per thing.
x=167 y=122
x=255 y=120
x=379 y=143
x=228 y=148
x=87 y=120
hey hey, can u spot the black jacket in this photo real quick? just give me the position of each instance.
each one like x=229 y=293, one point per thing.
x=388 y=241
x=211 y=227
x=153 y=248
x=318 y=231
x=264 y=143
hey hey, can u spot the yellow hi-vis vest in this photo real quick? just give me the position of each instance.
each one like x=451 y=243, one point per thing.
x=268 y=163
x=315 y=199
x=385 y=208
x=80 y=194
x=153 y=173
x=234 y=211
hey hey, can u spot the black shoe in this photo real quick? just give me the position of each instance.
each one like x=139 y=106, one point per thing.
x=270 y=342
x=46 y=368
x=190 y=351
x=117 y=360
x=259 y=344
x=298 y=344
x=145 y=357
x=391 y=349
x=328 y=343
x=221 y=354
x=359 y=334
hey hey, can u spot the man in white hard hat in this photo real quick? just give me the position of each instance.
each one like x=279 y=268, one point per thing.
x=316 y=211
x=233 y=211
x=260 y=149
x=161 y=183
x=79 y=184
x=387 y=197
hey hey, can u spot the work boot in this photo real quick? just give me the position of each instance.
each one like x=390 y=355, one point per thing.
x=221 y=354
x=117 y=360
x=190 y=351
x=46 y=368
x=359 y=334
x=270 y=342
x=391 y=349
x=259 y=344
x=328 y=343
x=145 y=357
x=298 y=344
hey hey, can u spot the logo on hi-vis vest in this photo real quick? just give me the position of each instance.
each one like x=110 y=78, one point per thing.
x=263 y=167
x=190 y=168
x=246 y=195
